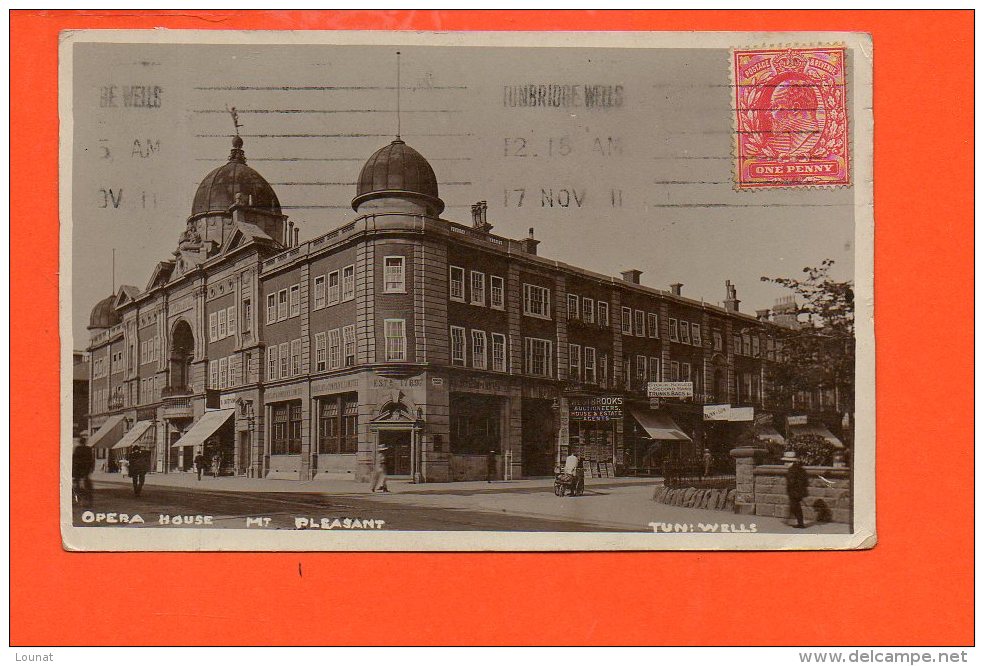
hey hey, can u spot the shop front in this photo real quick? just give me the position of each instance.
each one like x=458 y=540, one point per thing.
x=477 y=425
x=212 y=436
x=653 y=438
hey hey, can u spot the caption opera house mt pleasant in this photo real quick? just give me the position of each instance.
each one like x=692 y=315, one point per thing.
x=401 y=337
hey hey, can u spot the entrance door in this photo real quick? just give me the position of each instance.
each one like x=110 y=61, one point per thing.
x=539 y=437
x=397 y=444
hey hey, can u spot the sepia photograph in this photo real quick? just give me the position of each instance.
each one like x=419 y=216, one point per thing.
x=437 y=291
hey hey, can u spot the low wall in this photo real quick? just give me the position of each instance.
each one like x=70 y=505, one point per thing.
x=718 y=499
x=823 y=503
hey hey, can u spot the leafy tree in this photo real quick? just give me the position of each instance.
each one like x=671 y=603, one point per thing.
x=819 y=351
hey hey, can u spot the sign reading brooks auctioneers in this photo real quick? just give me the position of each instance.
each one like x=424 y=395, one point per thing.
x=599 y=408
x=670 y=389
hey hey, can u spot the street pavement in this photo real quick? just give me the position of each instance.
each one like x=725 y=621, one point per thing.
x=623 y=504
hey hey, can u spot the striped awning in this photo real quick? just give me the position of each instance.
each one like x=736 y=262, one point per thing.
x=134 y=436
x=659 y=425
x=109 y=433
x=205 y=427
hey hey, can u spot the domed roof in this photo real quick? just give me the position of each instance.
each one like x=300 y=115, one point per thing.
x=104 y=315
x=217 y=191
x=397 y=170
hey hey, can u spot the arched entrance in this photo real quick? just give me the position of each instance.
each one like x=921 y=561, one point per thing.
x=182 y=352
x=398 y=425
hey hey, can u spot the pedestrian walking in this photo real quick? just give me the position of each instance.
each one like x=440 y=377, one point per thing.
x=378 y=480
x=490 y=466
x=216 y=464
x=796 y=486
x=708 y=459
x=139 y=466
x=200 y=464
x=124 y=466
x=83 y=462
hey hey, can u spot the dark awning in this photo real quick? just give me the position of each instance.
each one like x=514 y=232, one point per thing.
x=659 y=425
x=205 y=427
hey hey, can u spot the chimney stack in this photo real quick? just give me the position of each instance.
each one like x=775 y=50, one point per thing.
x=762 y=315
x=476 y=215
x=529 y=244
x=632 y=275
x=677 y=288
x=731 y=302
x=290 y=233
x=297 y=236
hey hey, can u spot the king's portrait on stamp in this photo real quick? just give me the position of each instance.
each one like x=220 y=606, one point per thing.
x=380 y=291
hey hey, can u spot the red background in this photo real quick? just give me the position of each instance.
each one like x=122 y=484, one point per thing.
x=915 y=587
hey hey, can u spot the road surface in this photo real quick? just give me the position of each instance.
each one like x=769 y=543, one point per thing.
x=210 y=509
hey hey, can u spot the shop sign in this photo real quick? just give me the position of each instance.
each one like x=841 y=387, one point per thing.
x=716 y=412
x=596 y=408
x=437 y=381
x=728 y=413
x=796 y=420
x=670 y=389
x=229 y=401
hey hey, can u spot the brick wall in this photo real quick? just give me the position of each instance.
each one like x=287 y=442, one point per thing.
x=823 y=503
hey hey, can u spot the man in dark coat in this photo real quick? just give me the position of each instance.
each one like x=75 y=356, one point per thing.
x=83 y=462
x=139 y=466
x=490 y=466
x=796 y=486
x=200 y=464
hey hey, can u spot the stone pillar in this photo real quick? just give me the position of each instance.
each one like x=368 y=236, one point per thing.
x=745 y=459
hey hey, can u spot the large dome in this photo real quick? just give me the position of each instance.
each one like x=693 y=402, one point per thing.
x=397 y=170
x=104 y=315
x=218 y=189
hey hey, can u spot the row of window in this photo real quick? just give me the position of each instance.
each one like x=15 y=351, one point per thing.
x=587 y=310
x=481 y=349
x=100 y=367
x=688 y=334
x=150 y=389
x=638 y=323
x=583 y=365
x=285 y=428
x=222 y=323
x=746 y=344
x=338 y=423
x=331 y=289
x=284 y=361
x=284 y=304
x=477 y=292
x=150 y=350
x=224 y=373
x=334 y=349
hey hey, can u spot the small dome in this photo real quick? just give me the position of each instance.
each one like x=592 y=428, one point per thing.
x=104 y=315
x=218 y=189
x=397 y=170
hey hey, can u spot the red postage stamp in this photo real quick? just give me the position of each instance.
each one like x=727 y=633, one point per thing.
x=791 y=118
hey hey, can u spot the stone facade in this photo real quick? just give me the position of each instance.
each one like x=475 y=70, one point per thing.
x=243 y=316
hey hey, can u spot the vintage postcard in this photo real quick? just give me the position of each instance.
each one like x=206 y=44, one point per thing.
x=484 y=291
